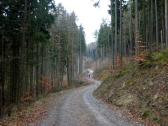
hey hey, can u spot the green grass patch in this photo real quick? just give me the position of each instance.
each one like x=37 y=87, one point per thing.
x=126 y=70
x=154 y=59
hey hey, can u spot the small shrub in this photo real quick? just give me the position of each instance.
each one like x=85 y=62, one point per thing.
x=153 y=59
x=146 y=114
x=125 y=71
x=161 y=57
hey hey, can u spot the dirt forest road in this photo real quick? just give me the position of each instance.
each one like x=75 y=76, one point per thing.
x=78 y=107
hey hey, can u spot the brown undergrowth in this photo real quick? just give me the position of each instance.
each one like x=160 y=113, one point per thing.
x=32 y=113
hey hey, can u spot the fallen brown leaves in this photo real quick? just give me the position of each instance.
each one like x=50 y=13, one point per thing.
x=34 y=117
x=27 y=116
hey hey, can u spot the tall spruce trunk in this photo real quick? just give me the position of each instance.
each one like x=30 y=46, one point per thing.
x=136 y=29
x=166 y=22
x=130 y=30
x=156 y=21
x=2 y=75
x=112 y=38
x=23 y=50
x=121 y=43
x=116 y=31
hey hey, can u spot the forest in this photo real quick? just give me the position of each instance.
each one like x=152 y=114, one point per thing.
x=132 y=56
x=40 y=44
x=43 y=51
x=136 y=27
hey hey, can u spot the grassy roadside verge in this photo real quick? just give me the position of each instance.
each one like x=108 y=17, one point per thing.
x=140 y=88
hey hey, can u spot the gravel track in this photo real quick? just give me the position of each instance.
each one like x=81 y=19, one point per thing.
x=78 y=107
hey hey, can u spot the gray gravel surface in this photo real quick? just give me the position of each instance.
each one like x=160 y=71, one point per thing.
x=78 y=107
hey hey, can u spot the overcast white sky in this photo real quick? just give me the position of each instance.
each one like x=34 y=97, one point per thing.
x=89 y=16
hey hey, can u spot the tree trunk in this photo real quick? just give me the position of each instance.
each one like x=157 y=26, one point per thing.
x=151 y=46
x=121 y=43
x=136 y=29
x=2 y=76
x=166 y=22
x=157 y=31
x=116 y=30
x=23 y=50
x=112 y=42
x=130 y=31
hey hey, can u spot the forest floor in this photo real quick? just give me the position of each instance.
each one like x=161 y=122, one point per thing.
x=139 y=89
x=31 y=113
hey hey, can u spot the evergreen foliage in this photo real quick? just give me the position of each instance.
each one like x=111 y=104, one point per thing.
x=39 y=46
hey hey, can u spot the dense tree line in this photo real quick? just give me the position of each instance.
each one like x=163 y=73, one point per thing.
x=104 y=38
x=69 y=40
x=136 y=27
x=40 y=45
